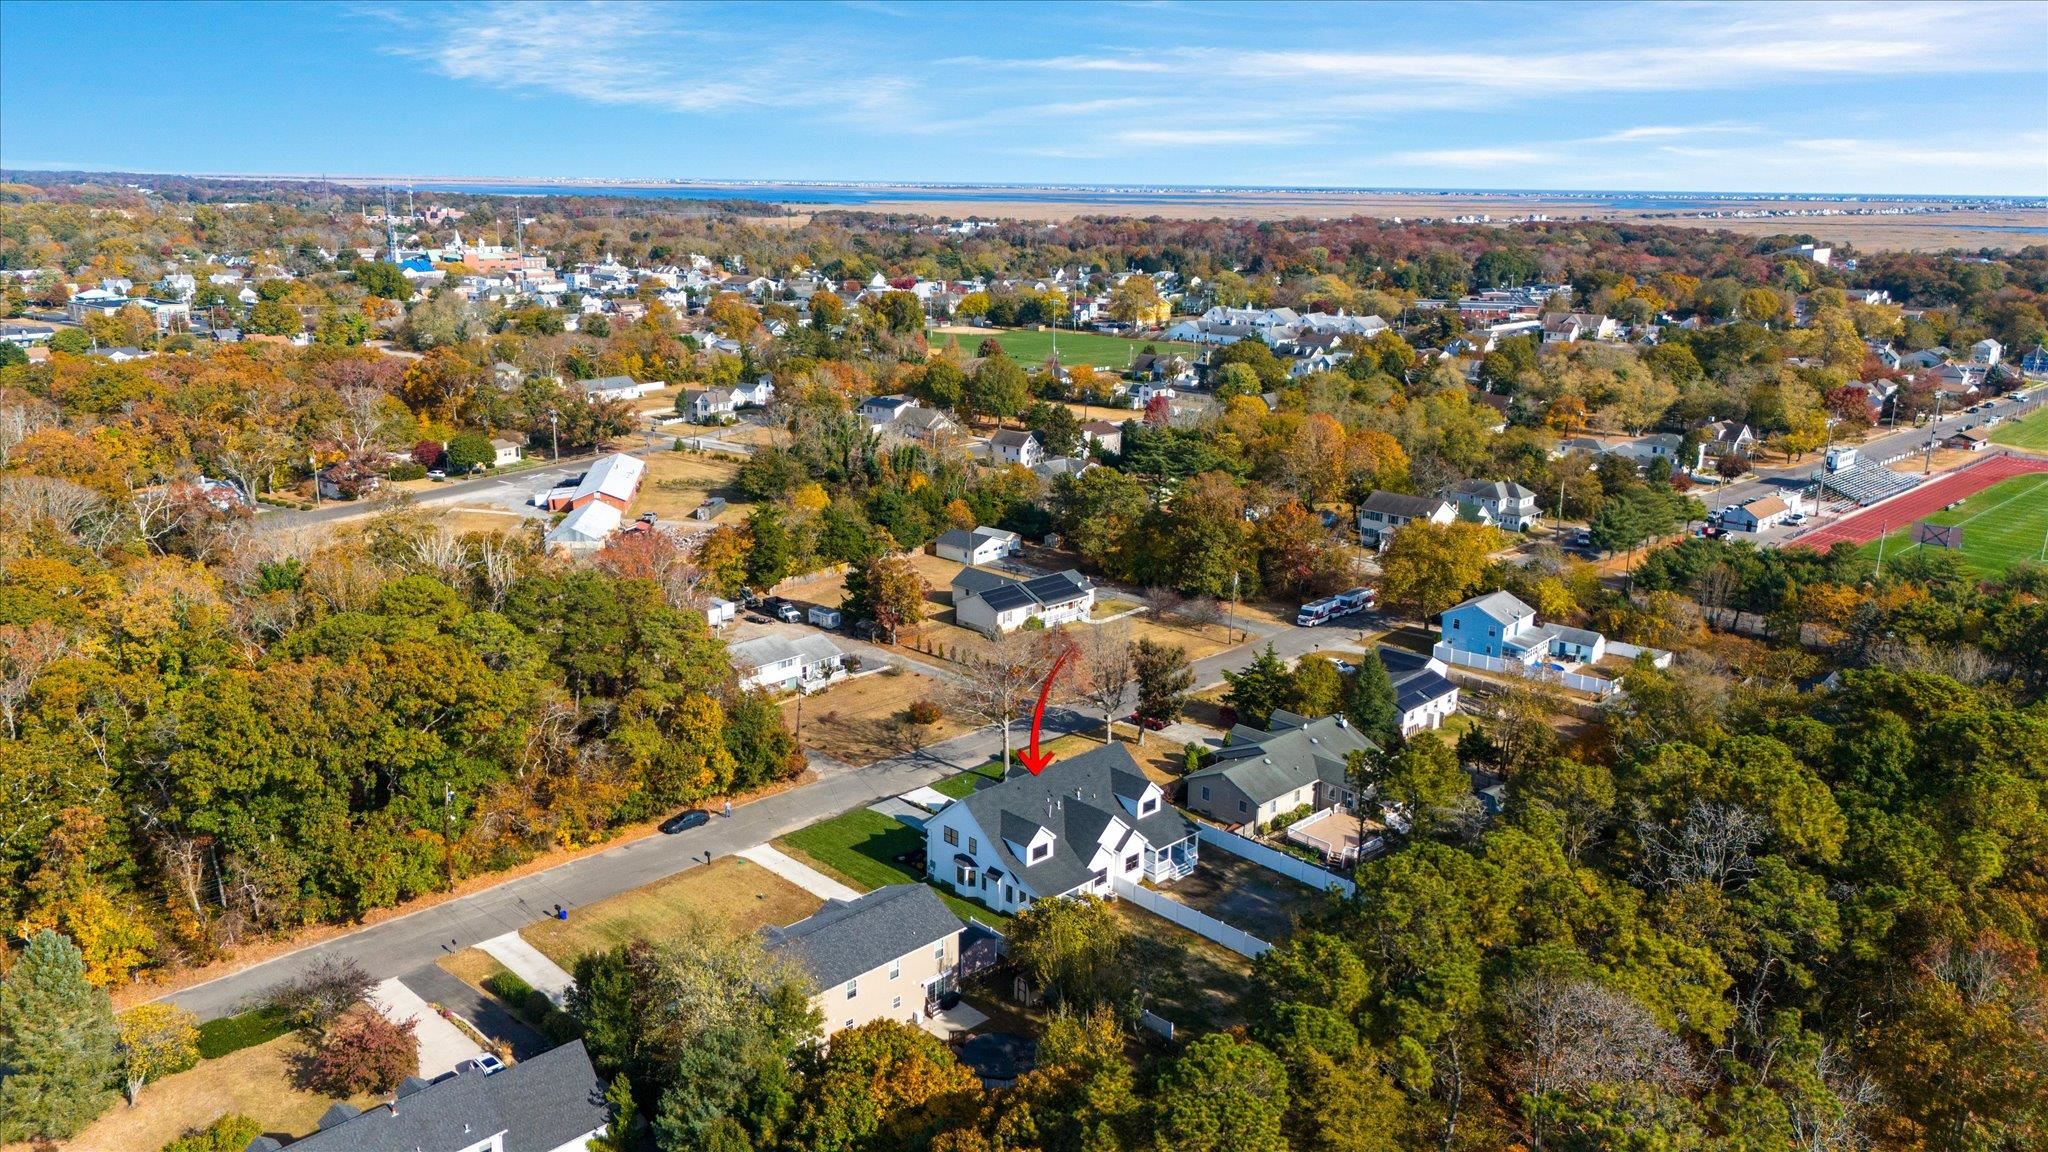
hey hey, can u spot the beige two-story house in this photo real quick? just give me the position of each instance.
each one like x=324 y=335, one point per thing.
x=888 y=955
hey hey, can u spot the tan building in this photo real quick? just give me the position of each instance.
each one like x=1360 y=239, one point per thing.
x=888 y=955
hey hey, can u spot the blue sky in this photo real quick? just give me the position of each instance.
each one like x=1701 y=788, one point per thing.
x=1899 y=98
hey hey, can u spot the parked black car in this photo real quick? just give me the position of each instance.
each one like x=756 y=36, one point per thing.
x=684 y=821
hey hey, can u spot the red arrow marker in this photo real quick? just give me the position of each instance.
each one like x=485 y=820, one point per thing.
x=1034 y=759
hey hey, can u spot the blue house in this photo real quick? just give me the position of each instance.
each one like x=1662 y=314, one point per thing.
x=1500 y=626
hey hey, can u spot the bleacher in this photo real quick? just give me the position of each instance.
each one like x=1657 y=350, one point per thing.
x=1866 y=484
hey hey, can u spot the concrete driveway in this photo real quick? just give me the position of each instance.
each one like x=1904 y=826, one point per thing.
x=442 y=1044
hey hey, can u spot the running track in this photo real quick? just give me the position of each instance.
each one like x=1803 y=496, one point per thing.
x=1918 y=503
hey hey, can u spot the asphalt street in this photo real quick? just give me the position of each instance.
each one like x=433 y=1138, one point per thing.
x=409 y=945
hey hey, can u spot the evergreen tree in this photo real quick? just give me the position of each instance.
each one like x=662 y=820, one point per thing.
x=1262 y=686
x=771 y=557
x=1369 y=702
x=59 y=1047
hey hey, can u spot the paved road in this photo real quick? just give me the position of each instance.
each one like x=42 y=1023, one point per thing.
x=400 y=946
x=1879 y=447
x=409 y=945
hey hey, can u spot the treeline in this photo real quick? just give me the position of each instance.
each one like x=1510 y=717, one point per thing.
x=1727 y=915
x=198 y=754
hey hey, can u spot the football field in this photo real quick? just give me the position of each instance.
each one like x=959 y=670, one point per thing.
x=2003 y=525
x=2029 y=432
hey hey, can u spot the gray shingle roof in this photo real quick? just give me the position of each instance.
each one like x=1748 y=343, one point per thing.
x=846 y=938
x=1293 y=752
x=1502 y=606
x=540 y=1104
x=1075 y=798
x=1399 y=504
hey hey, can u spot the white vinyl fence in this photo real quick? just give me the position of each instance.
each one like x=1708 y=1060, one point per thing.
x=1658 y=657
x=1201 y=923
x=1292 y=867
x=1589 y=684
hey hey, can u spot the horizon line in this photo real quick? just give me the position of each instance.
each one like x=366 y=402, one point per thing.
x=598 y=182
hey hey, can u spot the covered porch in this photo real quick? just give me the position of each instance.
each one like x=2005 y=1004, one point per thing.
x=1172 y=861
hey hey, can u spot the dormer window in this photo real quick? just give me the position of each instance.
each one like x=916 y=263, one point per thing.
x=1040 y=852
x=1148 y=806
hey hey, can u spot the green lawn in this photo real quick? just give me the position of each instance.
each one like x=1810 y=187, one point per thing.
x=2002 y=526
x=2029 y=431
x=962 y=785
x=860 y=848
x=1075 y=347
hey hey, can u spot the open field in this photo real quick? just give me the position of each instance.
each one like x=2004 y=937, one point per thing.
x=256 y=1082
x=1992 y=228
x=2029 y=432
x=677 y=482
x=858 y=721
x=2003 y=525
x=1074 y=347
x=731 y=892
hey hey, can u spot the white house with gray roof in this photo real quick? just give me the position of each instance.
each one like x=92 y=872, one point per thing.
x=1501 y=503
x=1072 y=830
x=553 y=1102
x=984 y=545
x=1383 y=513
x=992 y=603
x=888 y=955
x=1296 y=761
x=806 y=662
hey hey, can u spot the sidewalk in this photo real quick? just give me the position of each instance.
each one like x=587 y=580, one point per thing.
x=802 y=875
x=526 y=962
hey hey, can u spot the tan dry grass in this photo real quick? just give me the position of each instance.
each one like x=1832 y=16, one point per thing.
x=256 y=1082
x=733 y=893
x=677 y=482
x=854 y=722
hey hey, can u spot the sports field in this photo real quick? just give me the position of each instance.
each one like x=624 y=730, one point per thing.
x=2003 y=525
x=1075 y=347
x=2029 y=432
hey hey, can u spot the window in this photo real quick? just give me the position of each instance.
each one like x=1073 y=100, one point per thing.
x=852 y=988
x=1040 y=852
x=896 y=1003
x=1101 y=877
x=1205 y=791
x=1009 y=894
x=895 y=968
x=1457 y=625
x=1241 y=807
x=952 y=837
x=973 y=846
x=849 y=1022
x=939 y=951
x=1147 y=807
x=963 y=875
x=1131 y=862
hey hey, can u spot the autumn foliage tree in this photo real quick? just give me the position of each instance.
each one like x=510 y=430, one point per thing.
x=364 y=1052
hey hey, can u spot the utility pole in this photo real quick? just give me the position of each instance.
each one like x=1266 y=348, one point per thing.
x=447 y=848
x=1933 y=434
x=1230 y=630
x=555 y=432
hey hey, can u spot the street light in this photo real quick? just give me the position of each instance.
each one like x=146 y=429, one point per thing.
x=555 y=432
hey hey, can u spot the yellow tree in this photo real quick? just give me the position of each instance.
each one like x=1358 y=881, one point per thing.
x=156 y=1041
x=1430 y=566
